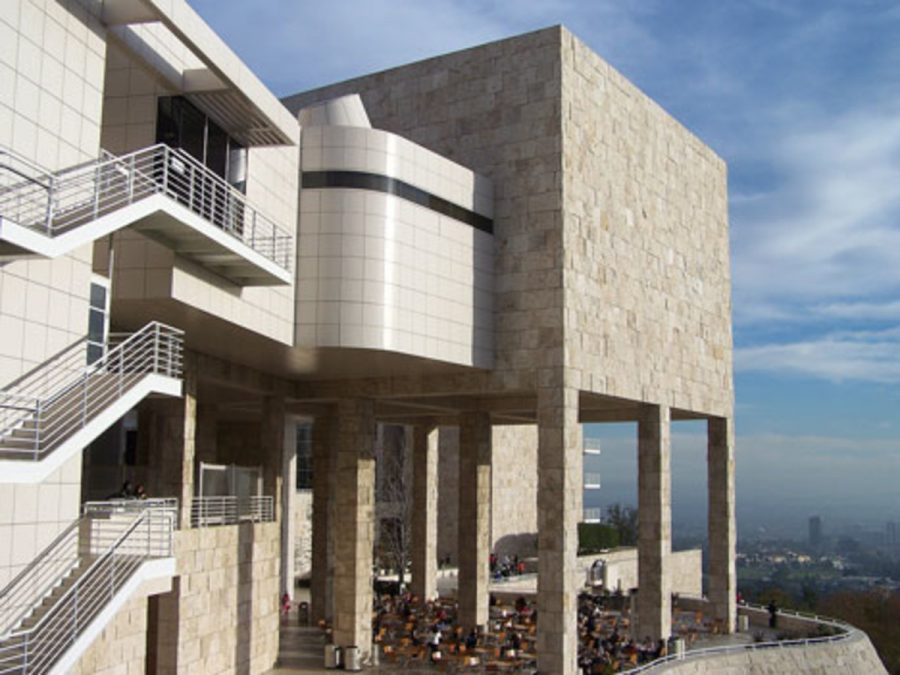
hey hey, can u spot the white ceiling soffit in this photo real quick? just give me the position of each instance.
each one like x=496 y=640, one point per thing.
x=217 y=81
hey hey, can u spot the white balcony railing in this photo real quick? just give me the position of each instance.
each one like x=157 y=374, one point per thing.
x=230 y=510
x=56 y=202
x=591 y=480
x=89 y=562
x=592 y=515
x=46 y=406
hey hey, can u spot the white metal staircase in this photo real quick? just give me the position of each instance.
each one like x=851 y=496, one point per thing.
x=55 y=410
x=52 y=610
x=162 y=192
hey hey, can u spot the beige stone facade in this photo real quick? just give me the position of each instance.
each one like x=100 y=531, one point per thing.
x=502 y=243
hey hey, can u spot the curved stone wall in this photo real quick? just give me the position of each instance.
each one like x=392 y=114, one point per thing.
x=852 y=656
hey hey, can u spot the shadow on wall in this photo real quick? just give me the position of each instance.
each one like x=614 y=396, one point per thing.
x=244 y=625
x=523 y=544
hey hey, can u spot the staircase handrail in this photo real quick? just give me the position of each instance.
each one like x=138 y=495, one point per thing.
x=101 y=576
x=93 y=188
x=33 y=582
x=155 y=349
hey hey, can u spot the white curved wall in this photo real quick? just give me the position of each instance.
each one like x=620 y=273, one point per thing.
x=377 y=271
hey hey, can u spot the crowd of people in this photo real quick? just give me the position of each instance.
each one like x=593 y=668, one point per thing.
x=605 y=645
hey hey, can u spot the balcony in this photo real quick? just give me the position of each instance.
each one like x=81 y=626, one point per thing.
x=161 y=192
x=231 y=510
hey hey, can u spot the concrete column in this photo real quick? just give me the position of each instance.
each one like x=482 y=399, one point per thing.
x=722 y=588
x=288 y=498
x=474 y=538
x=560 y=483
x=424 y=512
x=354 y=501
x=654 y=524
x=272 y=446
x=322 y=575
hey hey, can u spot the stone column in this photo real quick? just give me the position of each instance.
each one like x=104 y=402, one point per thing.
x=560 y=483
x=722 y=588
x=172 y=458
x=424 y=512
x=288 y=499
x=272 y=446
x=322 y=574
x=474 y=538
x=654 y=524
x=354 y=511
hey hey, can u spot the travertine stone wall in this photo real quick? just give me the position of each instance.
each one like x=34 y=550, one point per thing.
x=513 y=491
x=424 y=511
x=722 y=526
x=622 y=570
x=647 y=278
x=228 y=599
x=585 y=163
x=353 y=524
x=494 y=109
x=121 y=648
x=474 y=516
x=854 y=656
x=654 y=523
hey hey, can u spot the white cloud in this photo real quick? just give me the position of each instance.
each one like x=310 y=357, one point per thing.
x=848 y=355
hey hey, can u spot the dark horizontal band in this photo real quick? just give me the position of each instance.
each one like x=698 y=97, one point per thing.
x=373 y=181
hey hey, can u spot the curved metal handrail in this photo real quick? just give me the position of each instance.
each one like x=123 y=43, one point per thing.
x=848 y=632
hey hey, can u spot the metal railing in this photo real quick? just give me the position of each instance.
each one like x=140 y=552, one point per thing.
x=592 y=515
x=229 y=510
x=846 y=631
x=54 y=203
x=91 y=561
x=44 y=408
x=592 y=479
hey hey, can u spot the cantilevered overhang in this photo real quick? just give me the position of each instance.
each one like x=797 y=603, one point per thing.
x=203 y=69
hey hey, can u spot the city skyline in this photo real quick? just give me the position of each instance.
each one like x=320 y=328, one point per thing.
x=798 y=100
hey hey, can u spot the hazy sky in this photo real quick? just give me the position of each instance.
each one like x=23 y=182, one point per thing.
x=802 y=99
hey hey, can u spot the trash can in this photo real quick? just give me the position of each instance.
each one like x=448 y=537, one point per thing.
x=743 y=623
x=351 y=658
x=332 y=656
x=678 y=647
x=303 y=614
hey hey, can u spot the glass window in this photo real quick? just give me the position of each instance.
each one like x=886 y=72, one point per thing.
x=181 y=124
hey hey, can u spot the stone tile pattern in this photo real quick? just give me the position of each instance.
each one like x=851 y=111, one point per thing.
x=722 y=589
x=474 y=518
x=379 y=272
x=51 y=70
x=560 y=449
x=513 y=490
x=855 y=656
x=354 y=525
x=145 y=269
x=654 y=523
x=228 y=606
x=121 y=647
x=647 y=278
x=425 y=514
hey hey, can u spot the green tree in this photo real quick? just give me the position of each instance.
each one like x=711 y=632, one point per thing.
x=625 y=520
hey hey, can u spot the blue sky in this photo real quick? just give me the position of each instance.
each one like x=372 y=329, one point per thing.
x=802 y=99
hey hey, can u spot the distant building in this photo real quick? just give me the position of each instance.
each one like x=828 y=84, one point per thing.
x=815 y=531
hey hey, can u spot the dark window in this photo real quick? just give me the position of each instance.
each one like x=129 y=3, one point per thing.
x=304 y=456
x=97 y=314
x=181 y=124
